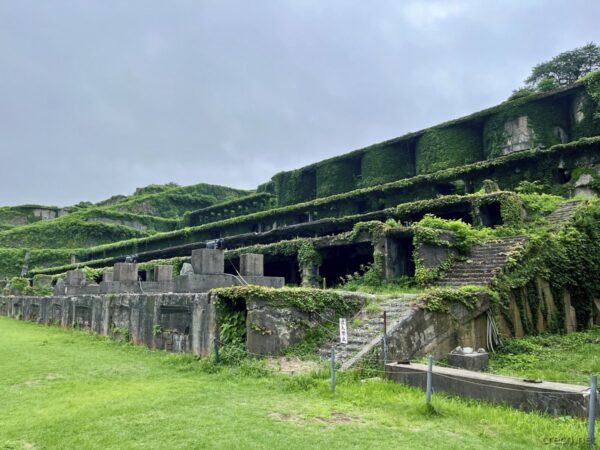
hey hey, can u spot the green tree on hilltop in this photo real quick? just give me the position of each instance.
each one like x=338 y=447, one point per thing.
x=565 y=68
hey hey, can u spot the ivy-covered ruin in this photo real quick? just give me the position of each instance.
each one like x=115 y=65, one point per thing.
x=503 y=199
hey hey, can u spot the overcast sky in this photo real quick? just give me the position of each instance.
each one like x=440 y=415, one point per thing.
x=100 y=97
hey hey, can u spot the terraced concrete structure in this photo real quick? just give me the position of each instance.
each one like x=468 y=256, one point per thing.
x=504 y=171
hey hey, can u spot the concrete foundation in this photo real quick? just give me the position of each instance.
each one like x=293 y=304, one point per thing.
x=553 y=398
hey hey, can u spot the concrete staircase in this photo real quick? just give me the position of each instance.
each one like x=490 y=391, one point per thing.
x=365 y=330
x=487 y=260
x=564 y=212
x=482 y=264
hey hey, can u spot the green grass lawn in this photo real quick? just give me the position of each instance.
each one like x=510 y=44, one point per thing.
x=68 y=389
x=570 y=358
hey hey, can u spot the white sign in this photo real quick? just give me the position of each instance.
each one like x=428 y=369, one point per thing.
x=343 y=332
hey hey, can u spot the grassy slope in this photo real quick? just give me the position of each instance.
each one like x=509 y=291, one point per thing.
x=570 y=358
x=66 y=389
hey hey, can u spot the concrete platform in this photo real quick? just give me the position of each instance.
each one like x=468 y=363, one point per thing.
x=553 y=398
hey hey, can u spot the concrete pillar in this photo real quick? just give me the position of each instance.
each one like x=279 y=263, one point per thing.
x=310 y=276
x=75 y=277
x=163 y=272
x=252 y=264
x=207 y=261
x=125 y=272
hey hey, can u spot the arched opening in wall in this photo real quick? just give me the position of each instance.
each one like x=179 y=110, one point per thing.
x=342 y=260
x=490 y=214
x=283 y=266
x=400 y=262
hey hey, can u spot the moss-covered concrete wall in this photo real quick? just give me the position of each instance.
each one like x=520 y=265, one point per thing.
x=442 y=148
x=296 y=186
x=336 y=176
x=543 y=119
x=387 y=162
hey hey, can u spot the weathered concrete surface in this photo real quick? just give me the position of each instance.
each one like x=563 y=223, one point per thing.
x=207 y=261
x=270 y=330
x=75 y=277
x=174 y=322
x=469 y=361
x=519 y=136
x=421 y=332
x=136 y=287
x=553 y=398
x=252 y=264
x=163 y=272
x=433 y=256
x=125 y=272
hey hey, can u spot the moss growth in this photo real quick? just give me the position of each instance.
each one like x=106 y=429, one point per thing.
x=334 y=177
x=588 y=104
x=308 y=300
x=384 y=163
x=440 y=300
x=442 y=148
x=296 y=186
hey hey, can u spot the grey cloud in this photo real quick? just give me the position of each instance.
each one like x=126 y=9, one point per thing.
x=97 y=98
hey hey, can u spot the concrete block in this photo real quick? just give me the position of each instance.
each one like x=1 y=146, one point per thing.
x=468 y=361
x=42 y=280
x=59 y=288
x=108 y=276
x=125 y=272
x=252 y=264
x=186 y=269
x=207 y=261
x=163 y=272
x=75 y=277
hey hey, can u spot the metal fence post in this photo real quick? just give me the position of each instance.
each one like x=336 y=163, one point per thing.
x=332 y=369
x=385 y=348
x=592 y=411
x=429 y=377
x=216 y=345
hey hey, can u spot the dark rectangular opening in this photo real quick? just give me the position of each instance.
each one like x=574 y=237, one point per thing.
x=283 y=266
x=490 y=215
x=400 y=257
x=339 y=261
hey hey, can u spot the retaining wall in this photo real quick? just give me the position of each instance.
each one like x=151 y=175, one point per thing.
x=174 y=322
